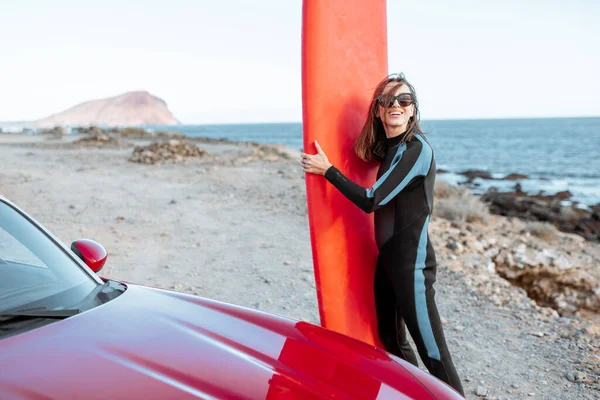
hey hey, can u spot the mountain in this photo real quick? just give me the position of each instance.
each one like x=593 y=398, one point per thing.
x=128 y=109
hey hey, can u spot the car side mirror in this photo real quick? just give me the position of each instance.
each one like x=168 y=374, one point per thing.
x=92 y=253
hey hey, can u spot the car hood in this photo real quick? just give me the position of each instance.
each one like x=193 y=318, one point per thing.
x=156 y=344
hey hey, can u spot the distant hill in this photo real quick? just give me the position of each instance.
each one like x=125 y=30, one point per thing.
x=128 y=109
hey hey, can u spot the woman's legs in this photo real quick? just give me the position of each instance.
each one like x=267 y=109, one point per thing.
x=390 y=322
x=410 y=263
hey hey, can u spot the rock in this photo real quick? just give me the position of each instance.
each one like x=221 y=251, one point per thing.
x=492 y=252
x=472 y=174
x=593 y=330
x=266 y=152
x=90 y=130
x=97 y=140
x=544 y=258
x=455 y=246
x=561 y=262
x=515 y=177
x=273 y=152
x=546 y=208
x=174 y=151
x=481 y=391
x=565 y=194
x=57 y=130
x=577 y=377
x=549 y=279
x=476 y=246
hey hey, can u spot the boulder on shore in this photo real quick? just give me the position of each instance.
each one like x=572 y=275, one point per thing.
x=175 y=151
x=546 y=208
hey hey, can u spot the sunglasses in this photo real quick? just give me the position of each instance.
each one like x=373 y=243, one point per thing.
x=388 y=100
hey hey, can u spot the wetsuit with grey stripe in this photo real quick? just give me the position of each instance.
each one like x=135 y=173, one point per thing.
x=402 y=199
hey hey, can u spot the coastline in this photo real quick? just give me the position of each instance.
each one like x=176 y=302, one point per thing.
x=232 y=226
x=492 y=160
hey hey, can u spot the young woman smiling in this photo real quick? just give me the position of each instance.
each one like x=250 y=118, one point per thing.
x=402 y=200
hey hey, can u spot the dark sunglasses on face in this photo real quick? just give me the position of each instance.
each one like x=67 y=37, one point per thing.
x=388 y=100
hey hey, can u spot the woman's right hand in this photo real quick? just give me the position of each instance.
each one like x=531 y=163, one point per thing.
x=316 y=164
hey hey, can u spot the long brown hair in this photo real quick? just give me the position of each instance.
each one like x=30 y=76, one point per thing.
x=371 y=144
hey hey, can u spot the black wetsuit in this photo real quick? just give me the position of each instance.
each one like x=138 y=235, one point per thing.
x=402 y=199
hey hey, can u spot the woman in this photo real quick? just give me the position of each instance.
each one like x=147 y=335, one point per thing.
x=402 y=199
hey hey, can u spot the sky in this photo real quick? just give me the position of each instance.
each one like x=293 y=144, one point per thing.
x=238 y=61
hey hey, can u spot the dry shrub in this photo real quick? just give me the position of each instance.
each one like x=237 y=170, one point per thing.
x=131 y=131
x=542 y=230
x=458 y=204
x=174 y=151
x=444 y=190
x=97 y=140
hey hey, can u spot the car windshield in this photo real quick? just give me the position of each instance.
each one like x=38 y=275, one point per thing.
x=35 y=272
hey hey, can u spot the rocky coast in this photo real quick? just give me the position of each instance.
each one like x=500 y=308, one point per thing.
x=558 y=209
x=520 y=299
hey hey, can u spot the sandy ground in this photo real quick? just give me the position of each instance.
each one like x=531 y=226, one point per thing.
x=239 y=233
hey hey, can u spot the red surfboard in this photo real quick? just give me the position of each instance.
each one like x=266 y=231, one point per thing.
x=344 y=57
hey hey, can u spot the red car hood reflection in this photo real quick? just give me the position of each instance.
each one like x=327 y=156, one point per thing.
x=155 y=344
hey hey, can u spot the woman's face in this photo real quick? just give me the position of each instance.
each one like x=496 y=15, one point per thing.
x=395 y=118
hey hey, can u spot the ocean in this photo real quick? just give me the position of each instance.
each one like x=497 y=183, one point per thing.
x=555 y=153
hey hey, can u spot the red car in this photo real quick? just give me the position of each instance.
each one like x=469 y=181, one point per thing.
x=66 y=333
